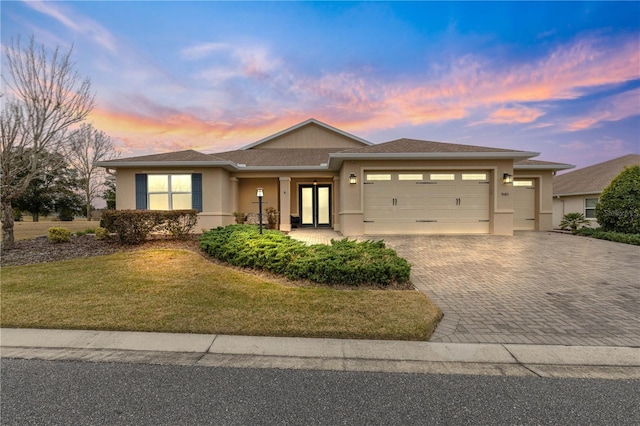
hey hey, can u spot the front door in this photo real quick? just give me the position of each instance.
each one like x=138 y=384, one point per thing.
x=315 y=205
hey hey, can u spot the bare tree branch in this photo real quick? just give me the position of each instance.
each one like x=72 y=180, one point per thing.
x=87 y=146
x=46 y=96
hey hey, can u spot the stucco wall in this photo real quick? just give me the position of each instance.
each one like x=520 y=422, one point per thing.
x=225 y=192
x=216 y=196
x=571 y=204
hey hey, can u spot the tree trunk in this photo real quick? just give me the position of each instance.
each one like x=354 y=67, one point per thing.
x=35 y=217
x=7 y=225
x=89 y=211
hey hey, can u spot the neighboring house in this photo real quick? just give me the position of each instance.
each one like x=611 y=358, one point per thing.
x=318 y=176
x=578 y=191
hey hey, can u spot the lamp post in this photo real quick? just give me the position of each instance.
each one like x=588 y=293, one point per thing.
x=260 y=195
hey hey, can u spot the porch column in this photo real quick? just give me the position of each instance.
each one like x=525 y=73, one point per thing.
x=285 y=203
x=336 y=203
x=233 y=196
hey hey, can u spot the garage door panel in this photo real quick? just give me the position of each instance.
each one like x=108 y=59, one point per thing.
x=379 y=228
x=445 y=202
x=471 y=191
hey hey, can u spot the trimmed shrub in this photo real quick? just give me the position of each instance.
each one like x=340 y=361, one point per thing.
x=618 y=237
x=619 y=206
x=240 y=217
x=344 y=262
x=273 y=217
x=134 y=226
x=177 y=223
x=101 y=233
x=58 y=235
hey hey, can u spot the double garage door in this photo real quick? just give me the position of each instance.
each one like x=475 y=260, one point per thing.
x=426 y=202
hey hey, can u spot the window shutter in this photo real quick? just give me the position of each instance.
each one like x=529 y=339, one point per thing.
x=141 y=191
x=196 y=191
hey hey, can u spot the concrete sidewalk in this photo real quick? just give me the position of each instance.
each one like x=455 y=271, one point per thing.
x=208 y=350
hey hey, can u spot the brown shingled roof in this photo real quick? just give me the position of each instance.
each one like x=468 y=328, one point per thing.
x=413 y=145
x=295 y=157
x=187 y=155
x=592 y=179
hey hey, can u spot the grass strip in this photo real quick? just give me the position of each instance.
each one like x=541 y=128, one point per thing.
x=168 y=290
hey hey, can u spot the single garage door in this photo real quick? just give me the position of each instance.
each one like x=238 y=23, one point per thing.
x=524 y=205
x=426 y=202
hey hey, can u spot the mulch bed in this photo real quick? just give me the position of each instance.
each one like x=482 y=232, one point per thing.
x=40 y=250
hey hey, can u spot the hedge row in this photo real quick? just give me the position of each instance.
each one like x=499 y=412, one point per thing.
x=134 y=226
x=618 y=237
x=344 y=262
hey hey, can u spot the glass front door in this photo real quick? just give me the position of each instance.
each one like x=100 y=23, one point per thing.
x=315 y=205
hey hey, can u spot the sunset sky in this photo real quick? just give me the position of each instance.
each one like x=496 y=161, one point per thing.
x=562 y=79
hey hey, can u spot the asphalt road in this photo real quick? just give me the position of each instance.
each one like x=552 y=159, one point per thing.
x=85 y=393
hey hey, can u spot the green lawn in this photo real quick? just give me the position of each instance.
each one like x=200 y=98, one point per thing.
x=28 y=229
x=179 y=291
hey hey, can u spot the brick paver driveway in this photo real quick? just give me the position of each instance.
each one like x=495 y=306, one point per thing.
x=534 y=287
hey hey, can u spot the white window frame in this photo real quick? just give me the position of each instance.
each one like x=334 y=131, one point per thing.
x=590 y=208
x=169 y=192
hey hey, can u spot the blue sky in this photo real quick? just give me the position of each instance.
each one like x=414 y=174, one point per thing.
x=562 y=79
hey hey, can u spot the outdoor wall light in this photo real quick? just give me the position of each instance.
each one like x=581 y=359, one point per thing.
x=507 y=178
x=260 y=193
x=352 y=178
x=315 y=182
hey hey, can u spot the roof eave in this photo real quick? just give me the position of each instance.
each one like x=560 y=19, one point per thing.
x=553 y=167
x=134 y=164
x=573 y=194
x=242 y=167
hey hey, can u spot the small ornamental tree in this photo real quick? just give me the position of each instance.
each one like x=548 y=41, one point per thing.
x=573 y=221
x=619 y=206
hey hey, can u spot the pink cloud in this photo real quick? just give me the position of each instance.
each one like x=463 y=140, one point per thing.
x=264 y=97
x=509 y=115
x=614 y=108
x=471 y=85
x=76 y=23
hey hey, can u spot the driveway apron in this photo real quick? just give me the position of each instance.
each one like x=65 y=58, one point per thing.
x=533 y=288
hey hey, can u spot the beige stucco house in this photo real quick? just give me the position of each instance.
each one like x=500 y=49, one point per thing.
x=578 y=191
x=316 y=175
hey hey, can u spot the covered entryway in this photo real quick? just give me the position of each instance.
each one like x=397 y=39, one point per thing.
x=315 y=205
x=426 y=202
x=524 y=205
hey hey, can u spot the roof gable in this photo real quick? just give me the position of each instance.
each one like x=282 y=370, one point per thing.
x=309 y=134
x=592 y=179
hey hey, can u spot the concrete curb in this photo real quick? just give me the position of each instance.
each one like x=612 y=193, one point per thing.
x=339 y=349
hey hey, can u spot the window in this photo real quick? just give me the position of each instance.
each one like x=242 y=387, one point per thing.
x=410 y=176
x=378 y=176
x=169 y=192
x=521 y=182
x=164 y=191
x=474 y=176
x=590 y=208
x=443 y=176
